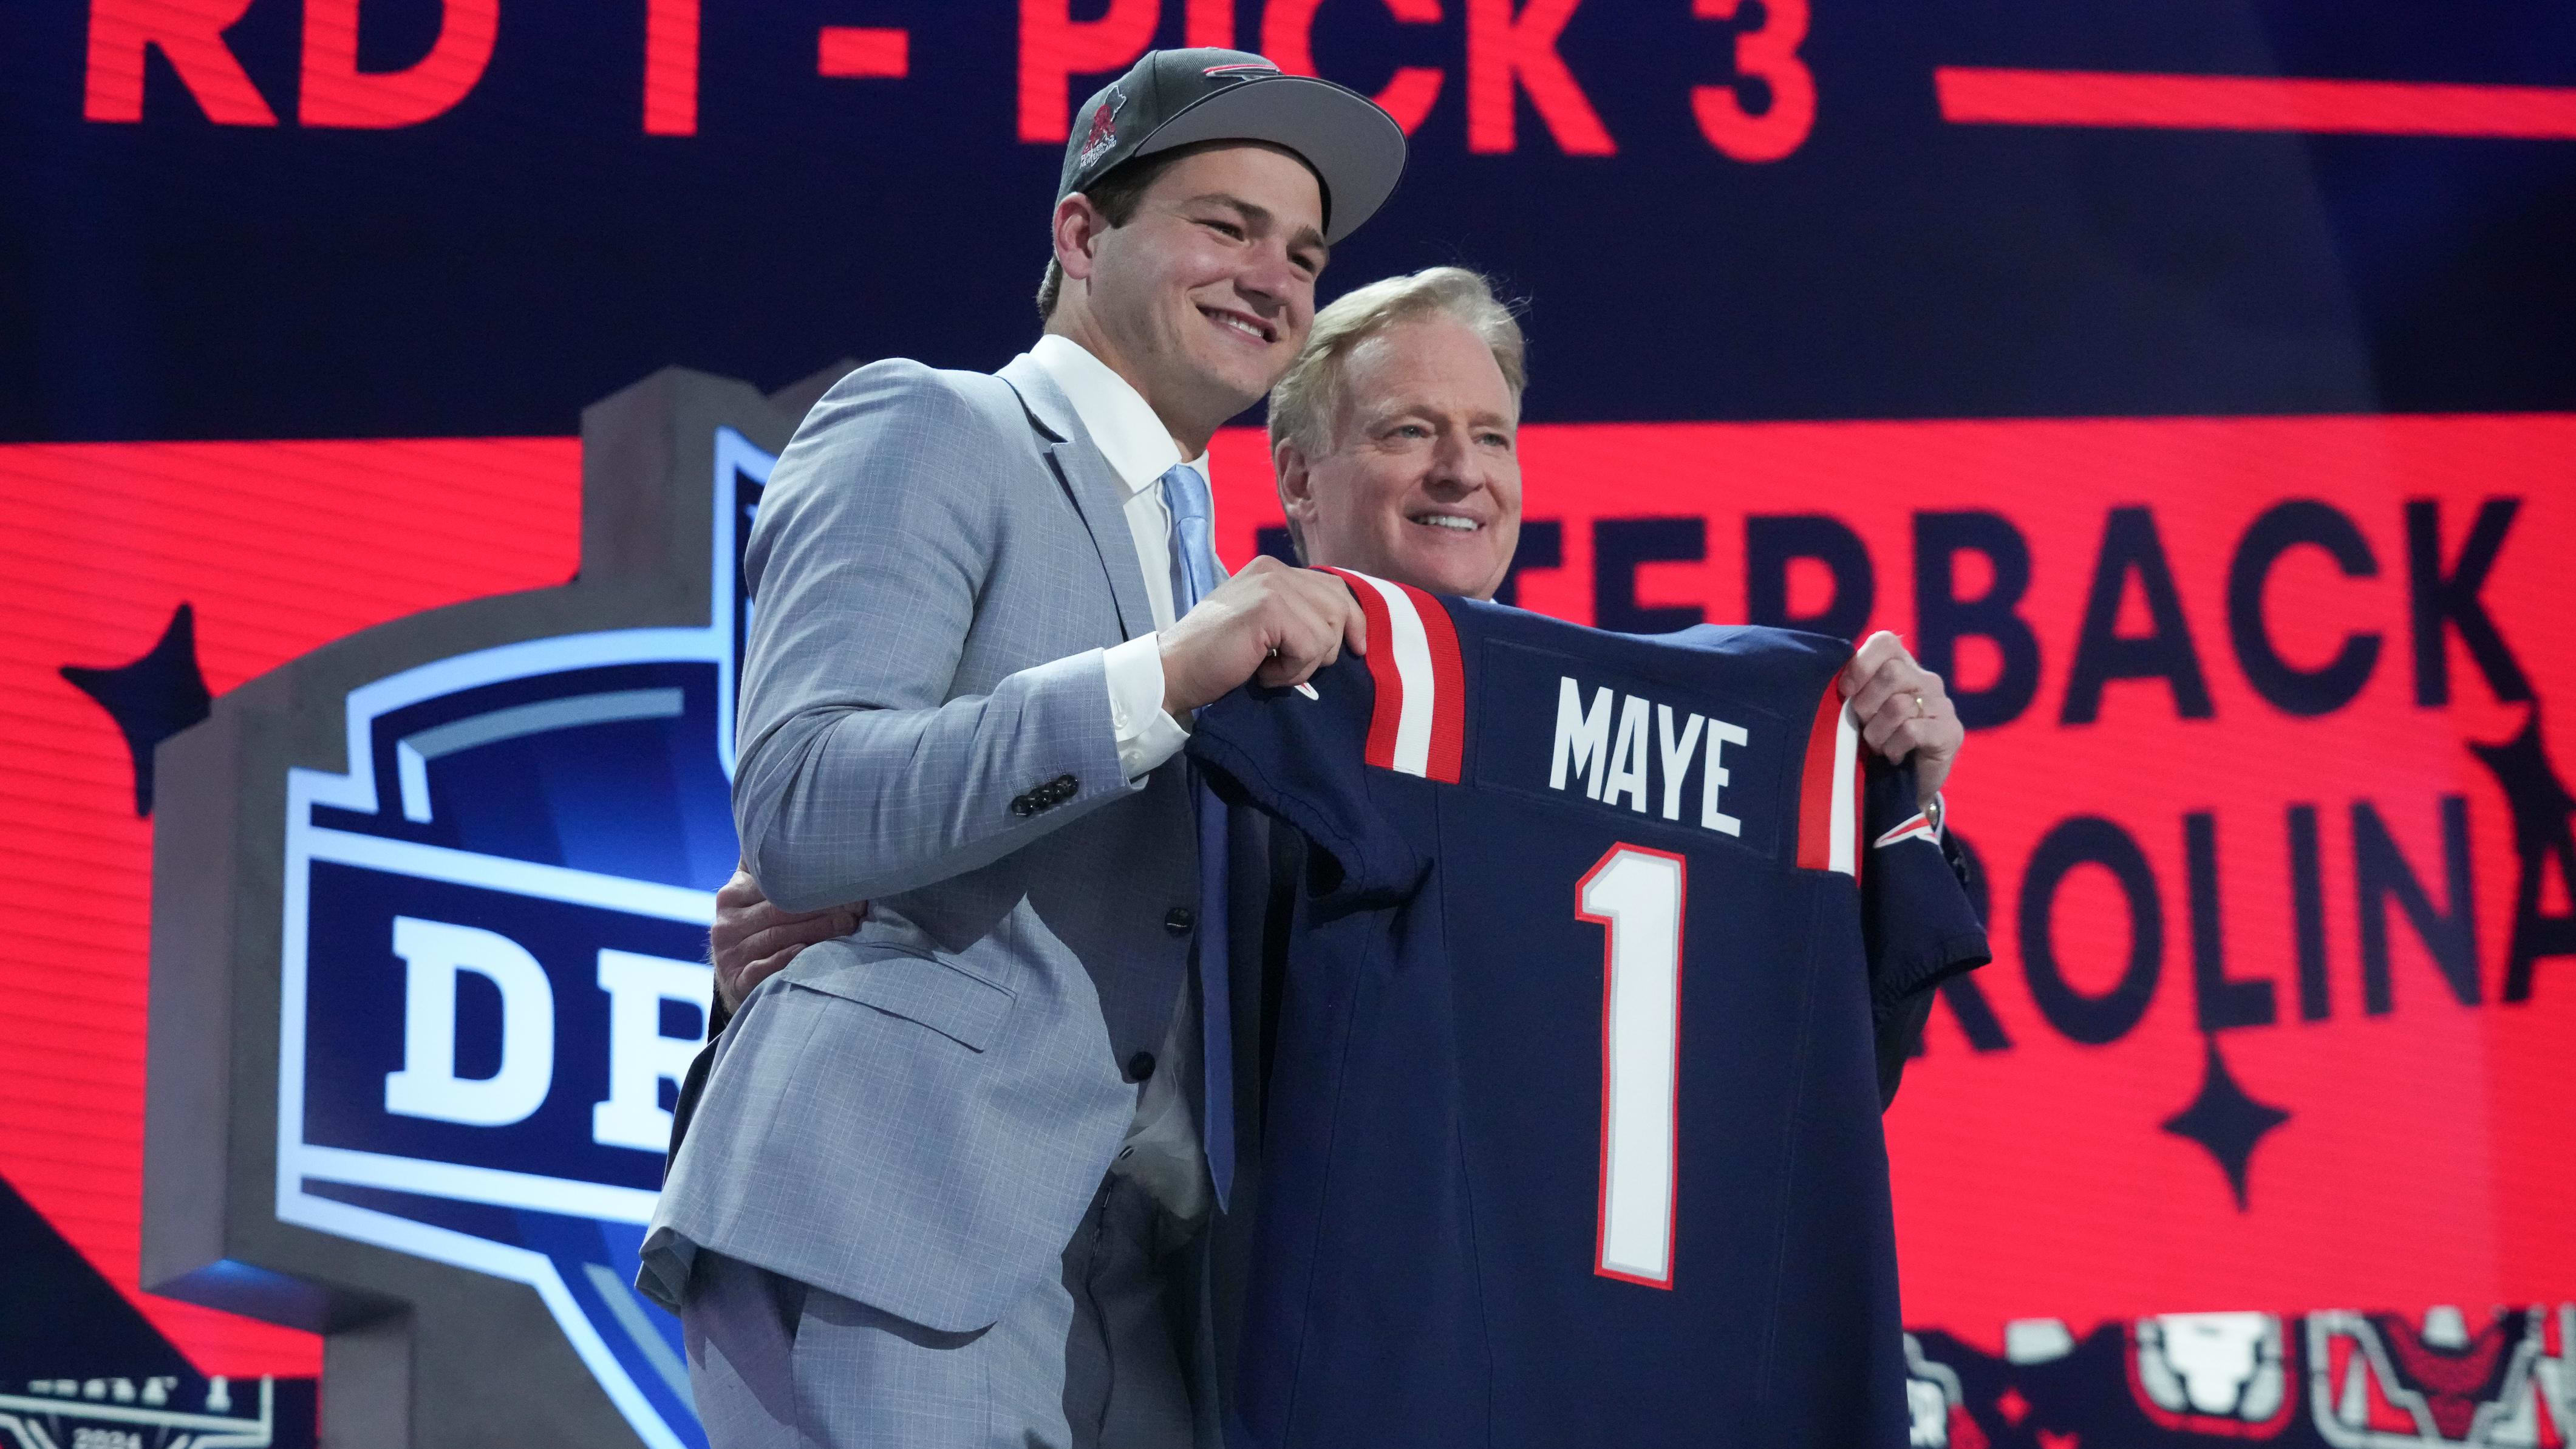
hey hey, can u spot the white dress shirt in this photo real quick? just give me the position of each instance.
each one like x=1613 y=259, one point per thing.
x=1162 y=1153
x=1140 y=450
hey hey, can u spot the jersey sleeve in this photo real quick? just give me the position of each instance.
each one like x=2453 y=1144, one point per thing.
x=1916 y=920
x=1300 y=754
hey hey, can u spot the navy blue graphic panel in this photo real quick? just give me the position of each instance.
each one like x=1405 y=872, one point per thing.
x=530 y=247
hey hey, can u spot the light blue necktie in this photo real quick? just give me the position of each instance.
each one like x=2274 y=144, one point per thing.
x=1194 y=576
x=1193 y=541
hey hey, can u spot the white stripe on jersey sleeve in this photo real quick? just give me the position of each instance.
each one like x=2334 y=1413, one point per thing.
x=1412 y=651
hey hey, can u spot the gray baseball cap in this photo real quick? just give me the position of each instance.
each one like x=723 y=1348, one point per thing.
x=1181 y=97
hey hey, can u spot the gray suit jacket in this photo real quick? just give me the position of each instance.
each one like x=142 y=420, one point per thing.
x=917 y=1116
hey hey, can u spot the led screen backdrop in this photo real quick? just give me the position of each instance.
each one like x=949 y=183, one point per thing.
x=2193 y=389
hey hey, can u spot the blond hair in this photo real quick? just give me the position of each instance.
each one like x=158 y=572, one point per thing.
x=1304 y=403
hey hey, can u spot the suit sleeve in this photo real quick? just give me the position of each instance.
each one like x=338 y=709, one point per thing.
x=1916 y=920
x=858 y=776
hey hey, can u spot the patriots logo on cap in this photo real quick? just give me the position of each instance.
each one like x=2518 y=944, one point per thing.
x=1104 y=127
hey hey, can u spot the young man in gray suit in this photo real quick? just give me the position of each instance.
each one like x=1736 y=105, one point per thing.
x=933 y=1190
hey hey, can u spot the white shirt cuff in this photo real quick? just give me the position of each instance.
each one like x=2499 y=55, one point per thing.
x=1146 y=735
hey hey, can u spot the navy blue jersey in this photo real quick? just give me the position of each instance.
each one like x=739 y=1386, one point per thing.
x=1572 y=1123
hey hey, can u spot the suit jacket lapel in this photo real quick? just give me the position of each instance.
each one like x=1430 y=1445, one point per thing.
x=1094 y=487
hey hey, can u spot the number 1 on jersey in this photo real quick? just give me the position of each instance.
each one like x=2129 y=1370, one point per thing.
x=1637 y=894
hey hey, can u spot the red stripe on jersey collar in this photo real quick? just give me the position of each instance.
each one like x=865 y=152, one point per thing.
x=1449 y=687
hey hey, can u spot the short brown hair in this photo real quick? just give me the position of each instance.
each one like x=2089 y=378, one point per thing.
x=1117 y=195
x=1305 y=400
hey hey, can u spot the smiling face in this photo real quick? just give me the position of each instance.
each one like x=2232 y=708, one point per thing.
x=1202 y=298
x=1421 y=481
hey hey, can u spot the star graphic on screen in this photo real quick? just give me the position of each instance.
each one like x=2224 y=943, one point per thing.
x=2225 y=1122
x=2012 y=1406
x=152 y=698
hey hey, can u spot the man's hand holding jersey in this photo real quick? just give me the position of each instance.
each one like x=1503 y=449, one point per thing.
x=1903 y=709
x=1270 y=623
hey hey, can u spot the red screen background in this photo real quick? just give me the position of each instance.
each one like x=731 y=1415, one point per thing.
x=2425 y=1156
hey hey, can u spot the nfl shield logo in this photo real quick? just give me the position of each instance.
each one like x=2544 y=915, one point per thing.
x=461 y=946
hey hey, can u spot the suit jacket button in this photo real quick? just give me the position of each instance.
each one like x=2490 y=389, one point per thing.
x=1179 y=920
x=1024 y=807
x=1064 y=785
x=1140 y=1066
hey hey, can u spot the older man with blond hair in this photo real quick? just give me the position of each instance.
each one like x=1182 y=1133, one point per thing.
x=1393 y=434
